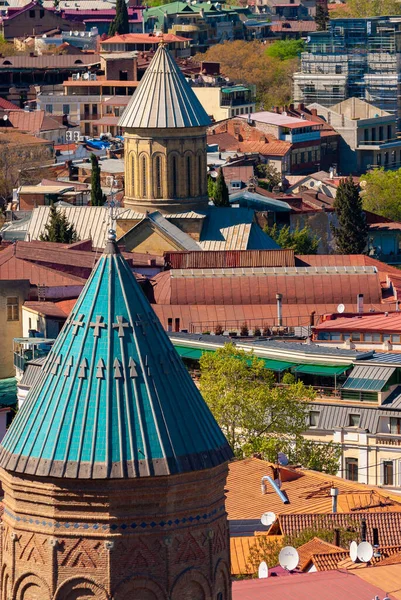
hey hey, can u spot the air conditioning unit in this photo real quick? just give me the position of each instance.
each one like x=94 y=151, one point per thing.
x=75 y=76
x=76 y=135
x=109 y=180
x=92 y=76
x=68 y=136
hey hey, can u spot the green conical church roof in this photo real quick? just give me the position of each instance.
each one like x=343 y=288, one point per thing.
x=114 y=399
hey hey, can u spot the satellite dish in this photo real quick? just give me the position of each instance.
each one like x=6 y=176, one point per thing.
x=85 y=76
x=263 y=571
x=340 y=308
x=282 y=459
x=353 y=551
x=5 y=118
x=365 y=552
x=268 y=518
x=288 y=558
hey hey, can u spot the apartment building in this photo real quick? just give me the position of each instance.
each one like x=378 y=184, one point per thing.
x=358 y=58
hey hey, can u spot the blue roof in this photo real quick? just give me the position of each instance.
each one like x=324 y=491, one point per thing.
x=114 y=399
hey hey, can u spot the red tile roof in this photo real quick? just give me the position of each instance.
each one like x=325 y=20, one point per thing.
x=27 y=121
x=7 y=105
x=315 y=546
x=175 y=287
x=293 y=26
x=49 y=309
x=143 y=38
x=366 y=323
x=330 y=585
x=272 y=147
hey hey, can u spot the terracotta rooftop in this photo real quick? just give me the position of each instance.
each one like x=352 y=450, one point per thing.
x=48 y=309
x=13 y=137
x=307 y=491
x=368 y=322
x=331 y=585
x=240 y=548
x=7 y=105
x=388 y=577
x=314 y=546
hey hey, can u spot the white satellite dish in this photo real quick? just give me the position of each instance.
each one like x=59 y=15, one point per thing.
x=268 y=518
x=282 y=459
x=85 y=76
x=288 y=558
x=263 y=571
x=365 y=552
x=353 y=551
x=340 y=308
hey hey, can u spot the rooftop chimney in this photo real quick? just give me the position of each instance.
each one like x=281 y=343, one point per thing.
x=279 y=298
x=359 y=304
x=363 y=530
x=334 y=494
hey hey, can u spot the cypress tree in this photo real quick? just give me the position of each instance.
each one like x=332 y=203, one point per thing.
x=120 y=23
x=221 y=191
x=96 y=190
x=351 y=235
x=322 y=16
x=58 y=228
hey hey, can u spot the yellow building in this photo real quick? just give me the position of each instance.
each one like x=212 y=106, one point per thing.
x=165 y=142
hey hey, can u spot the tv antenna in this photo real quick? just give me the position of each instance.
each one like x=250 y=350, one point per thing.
x=263 y=571
x=365 y=552
x=268 y=518
x=288 y=558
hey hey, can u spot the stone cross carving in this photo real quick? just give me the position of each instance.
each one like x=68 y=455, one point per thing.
x=120 y=325
x=78 y=323
x=97 y=325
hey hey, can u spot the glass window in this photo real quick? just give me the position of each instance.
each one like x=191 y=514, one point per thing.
x=335 y=336
x=351 y=469
x=158 y=176
x=32 y=14
x=395 y=339
x=366 y=134
x=12 y=309
x=174 y=175
x=189 y=185
x=49 y=108
x=395 y=425
x=354 y=420
x=386 y=338
x=388 y=472
x=389 y=132
x=144 y=176
x=169 y=324
x=314 y=418
x=66 y=109
x=200 y=174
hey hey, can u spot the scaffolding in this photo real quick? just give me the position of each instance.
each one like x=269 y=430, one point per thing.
x=358 y=58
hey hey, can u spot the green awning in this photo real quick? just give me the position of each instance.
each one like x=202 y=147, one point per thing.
x=323 y=370
x=371 y=378
x=235 y=88
x=277 y=365
x=193 y=353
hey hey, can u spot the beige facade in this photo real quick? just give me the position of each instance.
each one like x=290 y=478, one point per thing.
x=165 y=169
x=219 y=109
x=12 y=296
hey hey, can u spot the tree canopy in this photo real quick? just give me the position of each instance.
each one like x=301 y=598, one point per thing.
x=302 y=241
x=247 y=405
x=221 y=196
x=120 y=23
x=382 y=193
x=367 y=8
x=96 y=190
x=285 y=49
x=268 y=176
x=249 y=63
x=58 y=229
x=322 y=17
x=351 y=235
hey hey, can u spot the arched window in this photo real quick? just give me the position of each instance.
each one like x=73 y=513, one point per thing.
x=133 y=175
x=174 y=172
x=144 y=179
x=189 y=183
x=158 y=177
x=200 y=174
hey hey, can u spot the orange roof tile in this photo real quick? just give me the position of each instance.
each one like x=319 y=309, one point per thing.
x=314 y=546
x=240 y=548
x=307 y=491
x=388 y=577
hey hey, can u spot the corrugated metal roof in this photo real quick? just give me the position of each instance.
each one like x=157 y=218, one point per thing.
x=164 y=98
x=230 y=259
x=31 y=373
x=179 y=237
x=233 y=229
x=49 y=61
x=334 y=416
x=90 y=222
x=369 y=378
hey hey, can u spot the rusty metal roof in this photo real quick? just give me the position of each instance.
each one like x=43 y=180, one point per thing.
x=230 y=258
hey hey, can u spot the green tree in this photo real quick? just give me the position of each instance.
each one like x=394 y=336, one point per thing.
x=302 y=241
x=285 y=49
x=241 y=394
x=382 y=193
x=221 y=196
x=211 y=187
x=96 y=190
x=120 y=23
x=322 y=17
x=351 y=235
x=268 y=176
x=370 y=8
x=58 y=229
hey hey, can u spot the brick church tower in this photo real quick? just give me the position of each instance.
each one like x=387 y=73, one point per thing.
x=114 y=469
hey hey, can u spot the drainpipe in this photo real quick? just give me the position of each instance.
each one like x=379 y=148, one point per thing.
x=359 y=303
x=279 y=298
x=275 y=487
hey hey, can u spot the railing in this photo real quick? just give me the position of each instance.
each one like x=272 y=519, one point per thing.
x=297 y=326
x=19 y=362
x=391 y=141
x=238 y=101
x=90 y=117
x=389 y=441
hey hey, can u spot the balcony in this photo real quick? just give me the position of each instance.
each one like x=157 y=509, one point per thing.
x=379 y=144
x=89 y=117
x=388 y=439
x=242 y=101
x=27 y=349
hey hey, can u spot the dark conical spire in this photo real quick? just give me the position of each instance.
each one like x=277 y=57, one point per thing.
x=114 y=398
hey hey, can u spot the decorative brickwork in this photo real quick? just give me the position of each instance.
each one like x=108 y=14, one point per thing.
x=167 y=555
